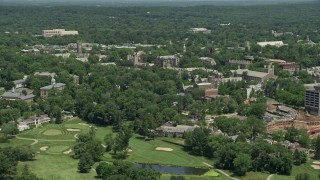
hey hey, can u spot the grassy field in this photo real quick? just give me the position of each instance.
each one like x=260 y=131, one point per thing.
x=305 y=168
x=52 y=163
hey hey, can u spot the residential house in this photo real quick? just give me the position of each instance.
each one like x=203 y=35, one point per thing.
x=172 y=131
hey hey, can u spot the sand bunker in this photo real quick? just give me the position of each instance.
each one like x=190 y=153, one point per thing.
x=73 y=130
x=129 y=150
x=163 y=149
x=316 y=162
x=315 y=167
x=68 y=152
x=44 y=148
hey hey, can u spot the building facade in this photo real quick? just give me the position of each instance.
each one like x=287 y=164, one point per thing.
x=169 y=61
x=311 y=100
x=58 y=32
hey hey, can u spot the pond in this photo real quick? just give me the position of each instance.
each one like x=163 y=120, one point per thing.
x=173 y=169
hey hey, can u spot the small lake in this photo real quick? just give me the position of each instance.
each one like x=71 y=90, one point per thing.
x=173 y=169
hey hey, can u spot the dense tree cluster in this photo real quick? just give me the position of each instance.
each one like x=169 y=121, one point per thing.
x=126 y=171
x=9 y=158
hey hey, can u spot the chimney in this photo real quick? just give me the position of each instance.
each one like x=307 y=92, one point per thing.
x=13 y=89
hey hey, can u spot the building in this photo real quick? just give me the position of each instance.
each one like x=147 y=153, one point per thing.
x=44 y=91
x=136 y=58
x=291 y=67
x=200 y=30
x=58 y=32
x=176 y=131
x=24 y=94
x=33 y=121
x=45 y=74
x=271 y=43
x=76 y=79
x=79 y=50
x=19 y=83
x=208 y=60
x=255 y=75
x=311 y=100
x=169 y=61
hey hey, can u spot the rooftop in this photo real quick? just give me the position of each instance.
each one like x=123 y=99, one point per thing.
x=53 y=86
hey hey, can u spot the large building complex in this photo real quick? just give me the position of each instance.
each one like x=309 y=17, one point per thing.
x=169 y=61
x=311 y=100
x=58 y=32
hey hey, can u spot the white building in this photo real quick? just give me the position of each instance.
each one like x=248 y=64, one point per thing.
x=58 y=32
x=271 y=43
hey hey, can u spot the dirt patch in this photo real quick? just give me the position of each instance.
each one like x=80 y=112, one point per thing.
x=44 y=148
x=315 y=167
x=68 y=152
x=164 y=149
x=73 y=130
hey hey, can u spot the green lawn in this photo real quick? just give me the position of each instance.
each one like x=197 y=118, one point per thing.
x=57 y=167
x=144 y=152
x=305 y=168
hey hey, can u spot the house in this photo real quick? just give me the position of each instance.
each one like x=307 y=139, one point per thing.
x=271 y=43
x=24 y=94
x=33 y=121
x=44 y=91
x=168 y=61
x=176 y=131
x=291 y=67
x=208 y=60
x=19 y=83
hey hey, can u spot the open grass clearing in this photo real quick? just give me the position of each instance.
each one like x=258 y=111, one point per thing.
x=304 y=168
x=52 y=132
x=57 y=167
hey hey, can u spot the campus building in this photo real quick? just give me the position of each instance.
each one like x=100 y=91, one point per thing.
x=168 y=61
x=44 y=91
x=58 y=32
x=291 y=67
x=255 y=75
x=23 y=94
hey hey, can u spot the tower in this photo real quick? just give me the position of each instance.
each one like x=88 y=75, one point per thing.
x=79 y=49
x=247 y=45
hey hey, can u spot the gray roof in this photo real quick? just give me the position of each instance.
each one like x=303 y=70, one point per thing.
x=250 y=73
x=177 y=129
x=17 y=93
x=19 y=81
x=48 y=74
x=53 y=86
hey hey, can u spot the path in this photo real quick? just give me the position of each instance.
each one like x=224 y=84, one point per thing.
x=270 y=176
x=222 y=172
x=30 y=139
x=35 y=142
